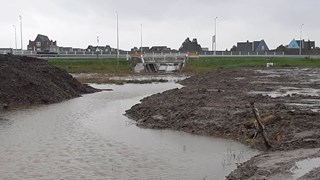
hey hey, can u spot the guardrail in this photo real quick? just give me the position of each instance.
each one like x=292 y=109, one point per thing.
x=125 y=54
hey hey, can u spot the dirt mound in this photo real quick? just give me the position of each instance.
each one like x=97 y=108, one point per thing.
x=26 y=80
x=297 y=164
x=218 y=104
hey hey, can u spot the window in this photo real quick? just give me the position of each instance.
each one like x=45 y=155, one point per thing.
x=38 y=44
x=262 y=47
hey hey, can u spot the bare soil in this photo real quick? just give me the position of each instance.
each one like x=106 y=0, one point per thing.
x=26 y=81
x=218 y=104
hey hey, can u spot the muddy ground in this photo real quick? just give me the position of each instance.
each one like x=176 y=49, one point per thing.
x=25 y=81
x=217 y=104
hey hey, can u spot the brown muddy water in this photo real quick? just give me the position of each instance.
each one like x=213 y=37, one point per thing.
x=90 y=138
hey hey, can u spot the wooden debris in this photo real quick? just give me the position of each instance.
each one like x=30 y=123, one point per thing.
x=261 y=127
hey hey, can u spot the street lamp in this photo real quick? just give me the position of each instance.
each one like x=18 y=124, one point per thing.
x=141 y=40
x=300 y=39
x=15 y=35
x=21 y=30
x=97 y=49
x=117 y=37
x=117 y=41
x=214 y=38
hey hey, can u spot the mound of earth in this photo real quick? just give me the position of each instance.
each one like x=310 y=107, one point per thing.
x=297 y=164
x=26 y=81
x=218 y=104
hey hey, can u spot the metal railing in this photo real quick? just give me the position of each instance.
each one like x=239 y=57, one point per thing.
x=125 y=54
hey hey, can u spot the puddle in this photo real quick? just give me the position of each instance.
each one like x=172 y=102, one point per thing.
x=303 y=167
x=288 y=91
x=239 y=78
x=310 y=75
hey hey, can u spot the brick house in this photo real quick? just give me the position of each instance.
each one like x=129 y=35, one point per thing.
x=43 y=43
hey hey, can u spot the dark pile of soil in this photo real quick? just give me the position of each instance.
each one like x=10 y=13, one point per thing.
x=218 y=104
x=26 y=80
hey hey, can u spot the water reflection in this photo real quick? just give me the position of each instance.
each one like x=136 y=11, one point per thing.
x=304 y=166
x=89 y=138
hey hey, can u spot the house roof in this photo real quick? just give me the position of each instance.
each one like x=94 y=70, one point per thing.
x=293 y=44
x=42 y=38
x=262 y=46
x=252 y=46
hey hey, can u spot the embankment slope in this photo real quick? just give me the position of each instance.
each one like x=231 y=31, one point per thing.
x=26 y=81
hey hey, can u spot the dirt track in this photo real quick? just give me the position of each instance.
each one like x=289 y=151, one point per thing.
x=217 y=104
x=25 y=81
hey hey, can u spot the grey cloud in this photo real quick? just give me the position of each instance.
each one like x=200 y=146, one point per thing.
x=166 y=22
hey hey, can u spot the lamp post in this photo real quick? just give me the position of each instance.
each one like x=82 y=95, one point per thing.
x=141 y=40
x=20 y=17
x=117 y=38
x=15 y=35
x=117 y=41
x=214 y=38
x=97 y=49
x=300 y=49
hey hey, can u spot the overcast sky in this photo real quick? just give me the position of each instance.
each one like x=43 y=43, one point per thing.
x=77 y=23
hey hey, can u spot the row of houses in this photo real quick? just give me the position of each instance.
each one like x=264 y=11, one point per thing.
x=152 y=49
x=261 y=46
x=42 y=43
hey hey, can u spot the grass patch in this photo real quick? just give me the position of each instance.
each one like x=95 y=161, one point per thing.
x=106 y=66
x=208 y=64
x=201 y=65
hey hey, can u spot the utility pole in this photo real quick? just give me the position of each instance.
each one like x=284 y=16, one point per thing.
x=214 y=40
x=141 y=40
x=15 y=36
x=21 y=31
x=97 y=49
x=117 y=41
x=118 y=36
x=300 y=49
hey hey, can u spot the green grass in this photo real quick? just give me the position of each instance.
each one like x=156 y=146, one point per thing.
x=208 y=64
x=107 y=66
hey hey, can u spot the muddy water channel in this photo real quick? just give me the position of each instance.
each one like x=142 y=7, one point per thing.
x=89 y=138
